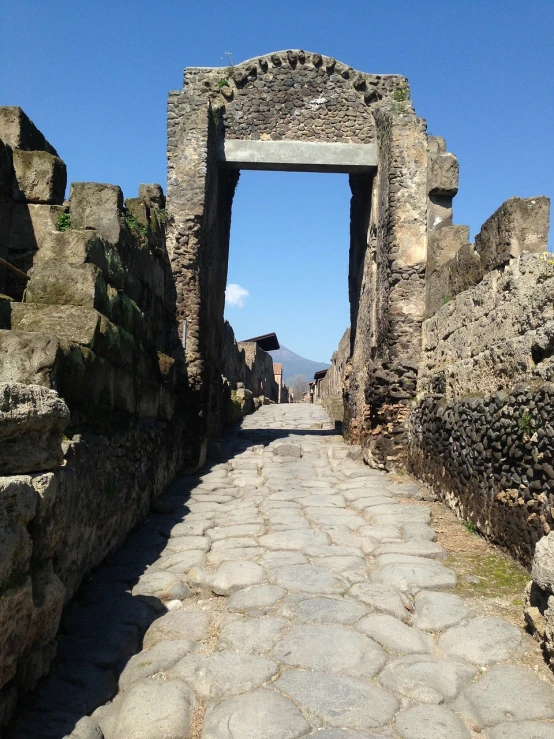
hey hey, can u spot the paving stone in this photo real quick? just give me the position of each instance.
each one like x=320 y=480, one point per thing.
x=223 y=673
x=228 y=577
x=506 y=693
x=180 y=562
x=162 y=585
x=438 y=611
x=86 y=728
x=339 y=700
x=162 y=656
x=358 y=504
x=252 y=636
x=430 y=722
x=522 y=730
x=482 y=641
x=426 y=679
x=226 y=532
x=231 y=555
x=331 y=649
x=184 y=543
x=323 y=610
x=241 y=542
x=308 y=579
x=395 y=635
x=345 y=734
x=178 y=626
x=261 y=714
x=415 y=548
x=302 y=541
x=381 y=533
x=277 y=559
x=415 y=531
x=413 y=577
x=254 y=598
x=332 y=501
x=342 y=564
x=383 y=599
x=149 y=709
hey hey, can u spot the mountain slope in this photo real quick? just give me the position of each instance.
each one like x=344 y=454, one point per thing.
x=294 y=364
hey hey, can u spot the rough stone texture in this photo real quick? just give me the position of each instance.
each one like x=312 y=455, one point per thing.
x=40 y=177
x=32 y=420
x=270 y=659
x=262 y=714
x=539 y=600
x=339 y=701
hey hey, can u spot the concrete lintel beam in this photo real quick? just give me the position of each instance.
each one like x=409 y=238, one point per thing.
x=297 y=156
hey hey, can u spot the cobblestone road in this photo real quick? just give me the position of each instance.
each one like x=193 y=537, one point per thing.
x=287 y=592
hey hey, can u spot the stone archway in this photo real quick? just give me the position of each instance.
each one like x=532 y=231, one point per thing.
x=305 y=112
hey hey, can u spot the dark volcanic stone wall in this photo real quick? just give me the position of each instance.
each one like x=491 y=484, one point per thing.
x=293 y=95
x=492 y=458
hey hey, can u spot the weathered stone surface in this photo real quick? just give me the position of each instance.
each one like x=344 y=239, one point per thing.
x=302 y=541
x=177 y=626
x=150 y=709
x=543 y=563
x=307 y=579
x=330 y=648
x=229 y=576
x=413 y=577
x=438 y=611
x=160 y=657
x=252 y=636
x=482 y=641
x=395 y=635
x=85 y=728
x=325 y=610
x=98 y=207
x=288 y=450
x=426 y=679
x=162 y=585
x=32 y=420
x=254 y=597
x=261 y=714
x=223 y=674
x=382 y=598
x=40 y=177
x=522 y=730
x=506 y=692
x=339 y=701
x=430 y=722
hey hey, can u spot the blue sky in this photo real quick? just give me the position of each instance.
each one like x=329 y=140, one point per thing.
x=94 y=77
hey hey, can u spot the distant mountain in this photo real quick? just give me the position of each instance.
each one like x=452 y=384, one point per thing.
x=294 y=364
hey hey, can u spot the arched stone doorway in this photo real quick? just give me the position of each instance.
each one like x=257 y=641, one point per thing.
x=301 y=111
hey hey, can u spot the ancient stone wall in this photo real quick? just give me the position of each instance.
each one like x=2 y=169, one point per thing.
x=480 y=430
x=83 y=352
x=333 y=383
x=248 y=377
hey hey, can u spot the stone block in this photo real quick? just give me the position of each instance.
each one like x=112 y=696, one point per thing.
x=16 y=609
x=48 y=524
x=32 y=226
x=152 y=195
x=443 y=245
x=519 y=225
x=6 y=169
x=443 y=169
x=18 y=502
x=32 y=420
x=18 y=131
x=98 y=207
x=39 y=177
x=30 y=358
x=67 y=284
x=543 y=563
x=460 y=273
